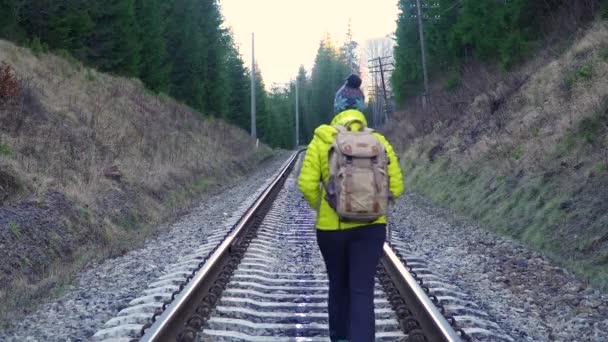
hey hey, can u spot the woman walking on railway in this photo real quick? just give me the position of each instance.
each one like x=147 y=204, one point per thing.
x=351 y=163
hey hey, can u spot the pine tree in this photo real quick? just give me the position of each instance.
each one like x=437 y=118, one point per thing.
x=113 y=45
x=198 y=49
x=154 y=65
x=349 y=52
x=216 y=82
x=486 y=31
x=321 y=85
x=176 y=46
x=264 y=122
x=70 y=27
x=281 y=110
x=407 y=77
x=271 y=131
x=9 y=20
x=35 y=16
x=186 y=50
x=239 y=88
x=304 y=104
x=328 y=75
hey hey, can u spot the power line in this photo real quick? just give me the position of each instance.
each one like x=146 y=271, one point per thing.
x=381 y=66
x=423 y=53
x=420 y=18
x=456 y=3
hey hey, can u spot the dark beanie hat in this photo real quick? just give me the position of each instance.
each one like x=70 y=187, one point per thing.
x=353 y=81
x=350 y=95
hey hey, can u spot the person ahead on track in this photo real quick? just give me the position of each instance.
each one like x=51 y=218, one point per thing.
x=351 y=250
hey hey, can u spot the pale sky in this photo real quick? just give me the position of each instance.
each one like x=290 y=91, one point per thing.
x=287 y=32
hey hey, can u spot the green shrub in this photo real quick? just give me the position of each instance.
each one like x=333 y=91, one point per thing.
x=65 y=54
x=585 y=72
x=590 y=129
x=604 y=54
x=90 y=75
x=38 y=47
x=85 y=213
x=517 y=153
x=5 y=150
x=568 y=84
x=566 y=145
x=128 y=221
x=453 y=82
x=15 y=229
x=163 y=97
x=512 y=49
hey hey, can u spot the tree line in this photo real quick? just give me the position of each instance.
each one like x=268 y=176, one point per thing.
x=182 y=48
x=317 y=89
x=177 y=47
x=502 y=32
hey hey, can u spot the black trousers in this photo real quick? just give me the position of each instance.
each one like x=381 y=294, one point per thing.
x=351 y=257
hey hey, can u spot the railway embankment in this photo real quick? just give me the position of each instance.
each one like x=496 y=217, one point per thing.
x=91 y=165
x=525 y=152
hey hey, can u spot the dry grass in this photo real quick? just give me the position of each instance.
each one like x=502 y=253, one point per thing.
x=526 y=151
x=535 y=104
x=71 y=123
x=69 y=128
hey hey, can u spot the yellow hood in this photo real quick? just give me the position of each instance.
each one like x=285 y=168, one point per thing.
x=351 y=118
x=348 y=117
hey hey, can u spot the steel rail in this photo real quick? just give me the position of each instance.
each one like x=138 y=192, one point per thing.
x=168 y=325
x=432 y=322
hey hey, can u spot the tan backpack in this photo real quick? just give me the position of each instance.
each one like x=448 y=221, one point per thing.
x=358 y=187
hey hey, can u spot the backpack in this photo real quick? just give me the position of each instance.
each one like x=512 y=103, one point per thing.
x=358 y=187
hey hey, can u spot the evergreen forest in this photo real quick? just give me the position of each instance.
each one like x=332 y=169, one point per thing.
x=458 y=33
x=181 y=48
x=184 y=49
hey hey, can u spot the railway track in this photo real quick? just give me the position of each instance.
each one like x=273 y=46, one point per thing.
x=264 y=280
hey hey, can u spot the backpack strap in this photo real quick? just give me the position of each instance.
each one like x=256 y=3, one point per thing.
x=368 y=130
x=377 y=183
x=349 y=184
x=341 y=128
x=344 y=127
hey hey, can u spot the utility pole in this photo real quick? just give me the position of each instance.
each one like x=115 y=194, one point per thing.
x=386 y=101
x=253 y=119
x=375 y=104
x=383 y=66
x=420 y=4
x=423 y=52
x=297 y=111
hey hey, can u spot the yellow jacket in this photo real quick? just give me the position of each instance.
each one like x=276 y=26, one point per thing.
x=315 y=170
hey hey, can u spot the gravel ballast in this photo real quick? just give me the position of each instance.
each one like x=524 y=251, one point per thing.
x=531 y=298
x=527 y=295
x=102 y=290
